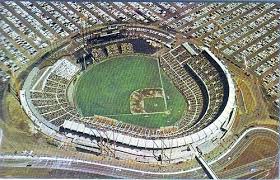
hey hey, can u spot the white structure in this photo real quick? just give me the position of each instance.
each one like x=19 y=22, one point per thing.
x=117 y=142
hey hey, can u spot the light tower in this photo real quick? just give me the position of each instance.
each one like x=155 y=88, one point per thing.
x=214 y=42
x=84 y=33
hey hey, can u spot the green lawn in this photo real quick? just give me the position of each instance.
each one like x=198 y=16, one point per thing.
x=104 y=89
x=155 y=104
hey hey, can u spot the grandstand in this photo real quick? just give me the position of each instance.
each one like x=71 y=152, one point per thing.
x=200 y=77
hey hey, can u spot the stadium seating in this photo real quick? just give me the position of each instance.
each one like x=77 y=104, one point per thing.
x=51 y=102
x=198 y=77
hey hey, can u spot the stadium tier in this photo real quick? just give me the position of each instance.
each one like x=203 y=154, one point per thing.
x=200 y=78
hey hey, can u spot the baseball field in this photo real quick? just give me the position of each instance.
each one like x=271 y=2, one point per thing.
x=105 y=89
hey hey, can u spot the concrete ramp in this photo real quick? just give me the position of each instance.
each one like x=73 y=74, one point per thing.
x=211 y=174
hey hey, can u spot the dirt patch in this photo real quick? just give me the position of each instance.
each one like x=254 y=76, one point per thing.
x=247 y=97
x=252 y=175
x=3 y=90
x=18 y=130
x=273 y=173
x=137 y=103
x=259 y=148
x=17 y=117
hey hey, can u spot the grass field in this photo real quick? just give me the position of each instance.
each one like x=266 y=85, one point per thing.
x=154 y=104
x=105 y=89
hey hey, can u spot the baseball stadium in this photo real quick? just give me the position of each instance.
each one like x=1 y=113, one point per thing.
x=132 y=92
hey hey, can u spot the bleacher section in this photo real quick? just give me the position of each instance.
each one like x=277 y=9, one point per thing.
x=202 y=82
x=51 y=102
x=112 y=50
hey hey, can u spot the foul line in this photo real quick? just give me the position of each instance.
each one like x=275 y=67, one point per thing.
x=132 y=114
x=164 y=97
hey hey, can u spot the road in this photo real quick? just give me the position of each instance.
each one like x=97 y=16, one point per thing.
x=266 y=163
x=7 y=160
x=237 y=148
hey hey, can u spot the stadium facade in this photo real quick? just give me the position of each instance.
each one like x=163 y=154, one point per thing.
x=197 y=73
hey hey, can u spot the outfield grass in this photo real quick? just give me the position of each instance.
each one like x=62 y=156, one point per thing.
x=105 y=89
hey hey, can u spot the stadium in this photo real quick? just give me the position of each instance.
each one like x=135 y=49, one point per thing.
x=131 y=92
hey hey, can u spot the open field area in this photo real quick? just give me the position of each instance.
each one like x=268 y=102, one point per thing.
x=248 y=99
x=123 y=76
x=19 y=133
x=259 y=148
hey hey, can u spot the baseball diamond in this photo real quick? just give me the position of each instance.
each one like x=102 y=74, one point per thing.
x=122 y=76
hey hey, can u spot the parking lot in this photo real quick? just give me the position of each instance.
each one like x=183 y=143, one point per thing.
x=241 y=33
